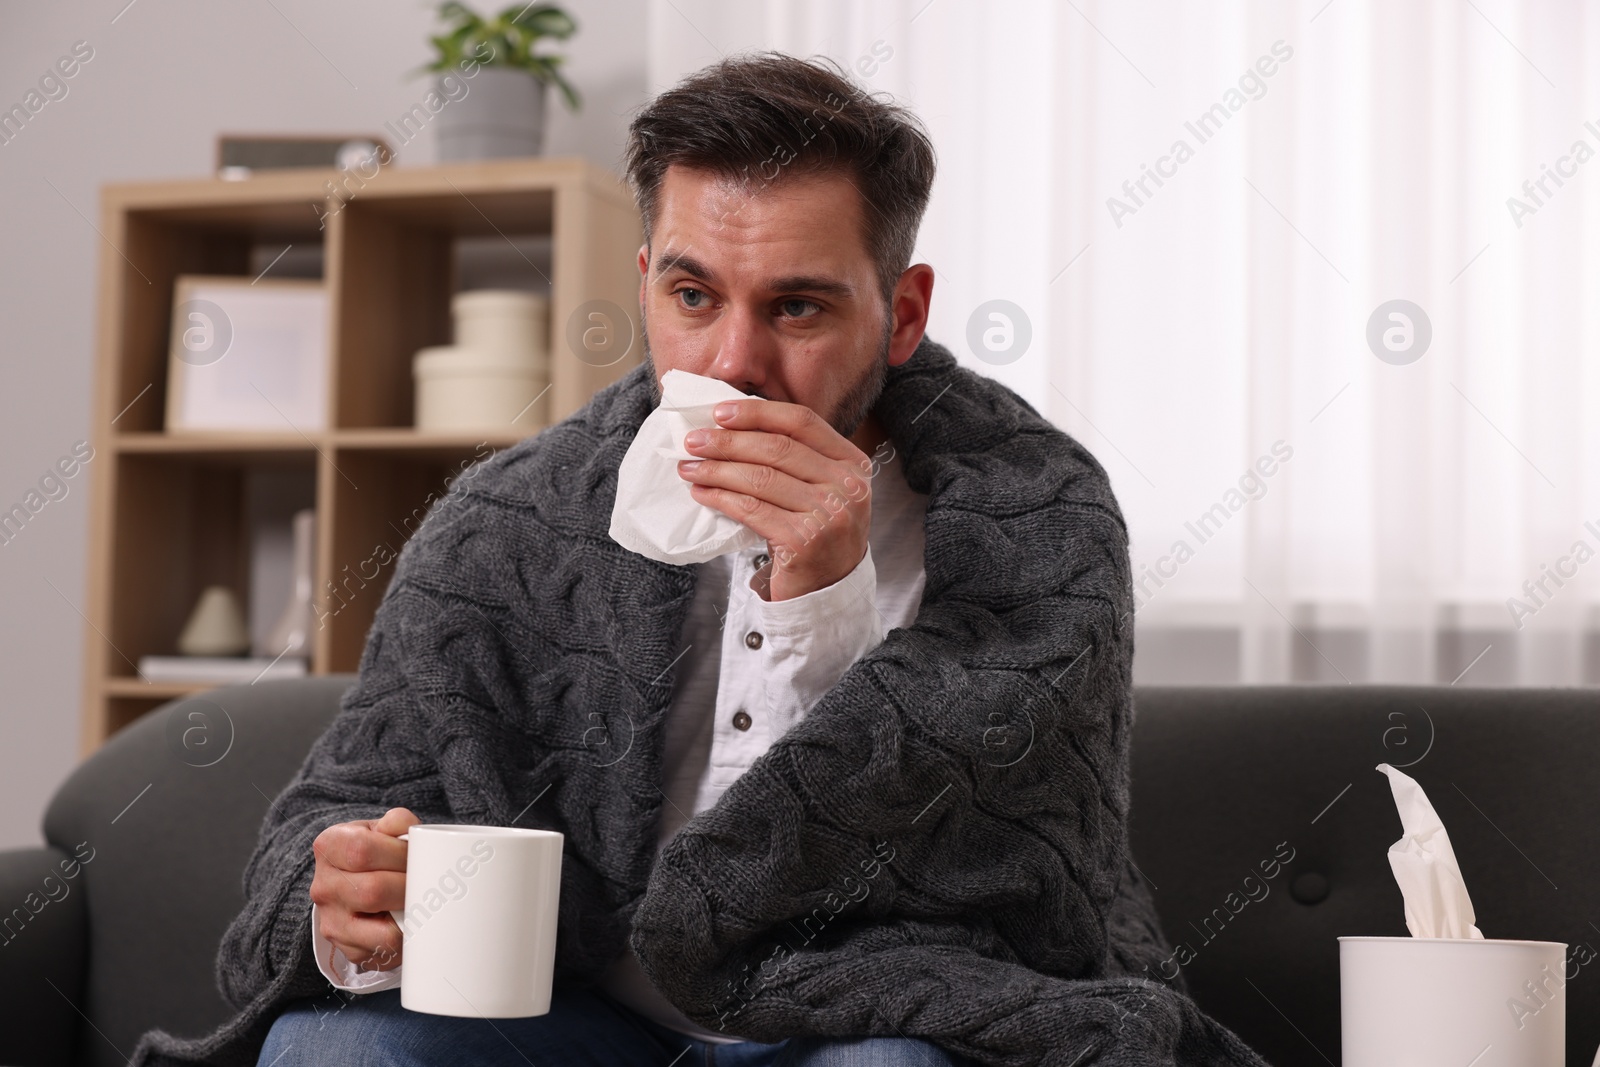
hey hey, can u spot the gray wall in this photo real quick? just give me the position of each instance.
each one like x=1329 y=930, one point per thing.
x=166 y=76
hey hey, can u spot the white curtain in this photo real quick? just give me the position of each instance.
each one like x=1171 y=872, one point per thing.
x=1200 y=209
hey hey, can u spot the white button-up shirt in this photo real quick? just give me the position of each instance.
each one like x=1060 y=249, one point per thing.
x=758 y=666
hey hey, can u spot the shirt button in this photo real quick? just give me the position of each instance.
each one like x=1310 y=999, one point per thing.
x=761 y=560
x=752 y=640
x=741 y=721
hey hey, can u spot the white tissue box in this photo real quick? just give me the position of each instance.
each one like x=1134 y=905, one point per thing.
x=1445 y=1002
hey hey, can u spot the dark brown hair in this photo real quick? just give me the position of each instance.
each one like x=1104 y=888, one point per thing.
x=766 y=116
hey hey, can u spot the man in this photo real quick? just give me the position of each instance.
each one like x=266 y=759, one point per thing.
x=857 y=795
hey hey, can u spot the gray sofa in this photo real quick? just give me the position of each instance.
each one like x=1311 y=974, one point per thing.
x=1224 y=779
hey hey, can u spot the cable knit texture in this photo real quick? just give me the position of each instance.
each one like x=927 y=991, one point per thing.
x=938 y=849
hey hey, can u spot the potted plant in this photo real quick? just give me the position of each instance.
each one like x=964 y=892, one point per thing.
x=493 y=74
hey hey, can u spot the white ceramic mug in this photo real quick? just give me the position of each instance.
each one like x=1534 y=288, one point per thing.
x=1450 y=1002
x=479 y=926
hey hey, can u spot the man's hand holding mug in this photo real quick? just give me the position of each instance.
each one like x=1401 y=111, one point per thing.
x=360 y=878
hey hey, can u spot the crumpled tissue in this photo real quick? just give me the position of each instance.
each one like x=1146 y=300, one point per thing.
x=655 y=515
x=1425 y=866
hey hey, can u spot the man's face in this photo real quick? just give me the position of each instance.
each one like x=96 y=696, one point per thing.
x=769 y=289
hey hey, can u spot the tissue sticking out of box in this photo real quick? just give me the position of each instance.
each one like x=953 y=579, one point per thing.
x=1425 y=866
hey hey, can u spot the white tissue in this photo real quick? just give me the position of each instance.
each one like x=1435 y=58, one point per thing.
x=1425 y=866
x=655 y=515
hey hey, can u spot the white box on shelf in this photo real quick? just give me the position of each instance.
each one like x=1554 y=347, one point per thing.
x=218 y=670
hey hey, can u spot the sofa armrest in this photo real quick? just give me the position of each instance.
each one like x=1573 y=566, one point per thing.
x=43 y=943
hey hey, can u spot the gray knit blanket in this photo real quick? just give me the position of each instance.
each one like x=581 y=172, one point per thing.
x=938 y=849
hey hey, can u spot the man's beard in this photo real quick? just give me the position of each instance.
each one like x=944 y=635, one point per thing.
x=852 y=409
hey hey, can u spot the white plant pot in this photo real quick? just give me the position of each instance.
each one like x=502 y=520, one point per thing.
x=500 y=117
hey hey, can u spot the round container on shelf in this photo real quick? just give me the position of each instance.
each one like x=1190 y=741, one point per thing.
x=507 y=323
x=463 y=389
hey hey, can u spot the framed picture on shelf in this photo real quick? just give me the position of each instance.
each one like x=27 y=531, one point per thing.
x=247 y=356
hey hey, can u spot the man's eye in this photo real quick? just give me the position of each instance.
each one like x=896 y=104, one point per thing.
x=799 y=309
x=692 y=298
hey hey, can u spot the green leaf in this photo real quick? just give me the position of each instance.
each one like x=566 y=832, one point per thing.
x=449 y=47
x=547 y=20
x=574 y=101
x=465 y=16
x=505 y=51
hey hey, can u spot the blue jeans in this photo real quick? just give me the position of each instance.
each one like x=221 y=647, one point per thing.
x=584 y=1028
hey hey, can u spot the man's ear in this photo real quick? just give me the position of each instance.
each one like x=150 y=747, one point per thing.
x=913 y=296
x=644 y=271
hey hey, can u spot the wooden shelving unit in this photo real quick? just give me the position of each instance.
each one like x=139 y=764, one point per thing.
x=168 y=510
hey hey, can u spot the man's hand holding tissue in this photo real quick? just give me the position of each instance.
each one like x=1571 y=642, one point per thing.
x=784 y=472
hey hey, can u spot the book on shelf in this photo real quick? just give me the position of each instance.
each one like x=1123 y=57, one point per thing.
x=220 y=670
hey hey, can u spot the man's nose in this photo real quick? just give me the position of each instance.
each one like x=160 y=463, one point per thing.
x=746 y=351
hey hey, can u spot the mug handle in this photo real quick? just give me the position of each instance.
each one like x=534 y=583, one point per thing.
x=395 y=915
